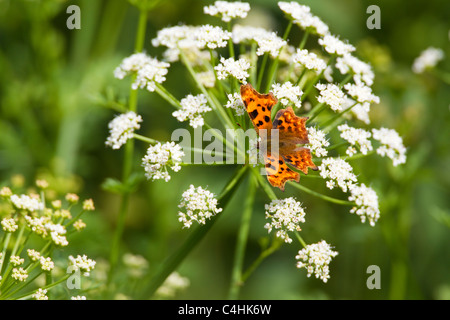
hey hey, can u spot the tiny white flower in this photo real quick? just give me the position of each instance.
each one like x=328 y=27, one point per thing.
x=317 y=142
x=331 y=95
x=121 y=129
x=172 y=284
x=211 y=37
x=9 y=224
x=269 y=43
x=338 y=172
x=82 y=263
x=356 y=138
x=285 y=216
x=235 y=102
x=46 y=263
x=246 y=34
x=57 y=233
x=207 y=78
x=428 y=59
x=26 y=202
x=362 y=72
x=309 y=60
x=148 y=71
x=40 y=294
x=366 y=201
x=161 y=156
x=78 y=298
x=33 y=254
x=302 y=16
x=391 y=145
x=19 y=274
x=287 y=93
x=234 y=68
x=192 y=108
x=361 y=93
x=16 y=260
x=333 y=45
x=316 y=258
x=199 y=204
x=228 y=10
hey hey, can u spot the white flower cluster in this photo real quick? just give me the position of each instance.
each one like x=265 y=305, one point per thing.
x=178 y=38
x=391 y=145
x=428 y=59
x=161 y=156
x=331 y=95
x=19 y=274
x=362 y=72
x=211 y=37
x=356 y=137
x=82 y=263
x=228 y=10
x=200 y=204
x=339 y=172
x=285 y=216
x=317 y=142
x=302 y=16
x=25 y=202
x=316 y=258
x=40 y=294
x=121 y=128
x=9 y=224
x=269 y=42
x=235 y=102
x=309 y=60
x=234 y=68
x=366 y=201
x=361 y=93
x=148 y=71
x=174 y=282
x=192 y=108
x=334 y=45
x=287 y=93
x=57 y=233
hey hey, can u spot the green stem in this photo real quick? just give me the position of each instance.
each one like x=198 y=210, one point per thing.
x=331 y=123
x=5 y=246
x=276 y=243
x=145 y=139
x=316 y=111
x=261 y=71
x=222 y=115
x=128 y=158
x=274 y=66
x=244 y=228
x=174 y=260
x=319 y=195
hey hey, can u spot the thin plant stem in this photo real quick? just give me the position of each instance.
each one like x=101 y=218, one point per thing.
x=222 y=115
x=274 y=66
x=241 y=243
x=128 y=158
x=319 y=195
x=261 y=71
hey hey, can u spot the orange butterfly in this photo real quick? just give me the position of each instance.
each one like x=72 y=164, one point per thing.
x=292 y=132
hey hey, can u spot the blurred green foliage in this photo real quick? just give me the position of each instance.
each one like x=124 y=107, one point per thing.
x=57 y=90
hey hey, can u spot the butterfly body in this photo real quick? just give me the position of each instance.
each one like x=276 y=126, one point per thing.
x=281 y=139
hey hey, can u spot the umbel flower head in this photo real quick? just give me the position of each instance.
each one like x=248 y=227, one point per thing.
x=316 y=258
x=199 y=204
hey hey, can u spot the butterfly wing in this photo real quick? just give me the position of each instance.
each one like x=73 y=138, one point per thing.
x=292 y=128
x=292 y=132
x=278 y=173
x=258 y=106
